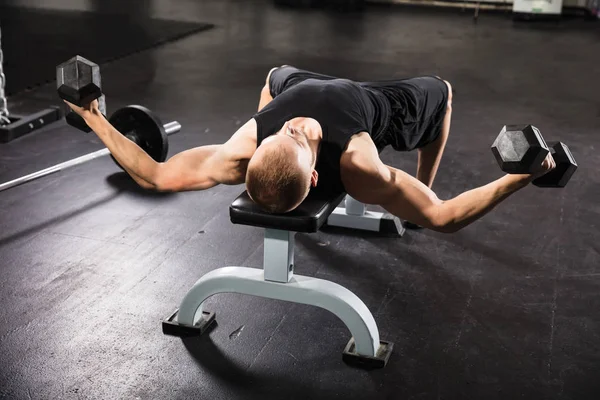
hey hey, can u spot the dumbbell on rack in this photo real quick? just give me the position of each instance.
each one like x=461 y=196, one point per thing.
x=78 y=81
x=519 y=149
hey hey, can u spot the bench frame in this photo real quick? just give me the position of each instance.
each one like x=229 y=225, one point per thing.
x=276 y=280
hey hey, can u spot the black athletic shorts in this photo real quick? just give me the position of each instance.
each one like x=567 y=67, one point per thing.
x=417 y=106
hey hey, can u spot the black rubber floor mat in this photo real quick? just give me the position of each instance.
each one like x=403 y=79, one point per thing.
x=35 y=41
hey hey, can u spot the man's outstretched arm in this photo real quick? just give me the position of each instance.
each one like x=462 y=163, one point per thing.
x=195 y=169
x=370 y=181
x=416 y=203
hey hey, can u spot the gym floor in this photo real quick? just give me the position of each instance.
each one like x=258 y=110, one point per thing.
x=507 y=308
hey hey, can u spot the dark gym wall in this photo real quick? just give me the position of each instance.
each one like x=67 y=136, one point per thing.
x=115 y=31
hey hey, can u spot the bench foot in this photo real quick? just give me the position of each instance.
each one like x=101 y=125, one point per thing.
x=379 y=360
x=173 y=328
x=354 y=215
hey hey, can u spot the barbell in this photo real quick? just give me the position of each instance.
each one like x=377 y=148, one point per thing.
x=78 y=81
x=135 y=122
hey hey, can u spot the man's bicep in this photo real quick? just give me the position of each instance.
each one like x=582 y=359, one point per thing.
x=373 y=182
x=410 y=199
x=190 y=170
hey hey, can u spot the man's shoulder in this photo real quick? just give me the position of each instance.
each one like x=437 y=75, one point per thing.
x=360 y=166
x=360 y=150
x=242 y=144
x=359 y=142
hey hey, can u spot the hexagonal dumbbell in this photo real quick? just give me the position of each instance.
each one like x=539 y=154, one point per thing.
x=78 y=82
x=519 y=149
x=565 y=167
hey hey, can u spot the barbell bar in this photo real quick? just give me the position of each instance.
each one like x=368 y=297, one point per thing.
x=169 y=128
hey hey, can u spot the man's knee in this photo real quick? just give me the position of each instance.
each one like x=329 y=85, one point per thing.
x=271 y=71
x=269 y=75
x=449 y=94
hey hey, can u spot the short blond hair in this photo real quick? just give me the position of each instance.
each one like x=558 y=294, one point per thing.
x=276 y=183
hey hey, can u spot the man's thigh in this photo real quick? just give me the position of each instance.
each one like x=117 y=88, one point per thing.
x=418 y=107
x=286 y=76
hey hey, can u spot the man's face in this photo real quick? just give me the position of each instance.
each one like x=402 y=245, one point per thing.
x=294 y=137
x=293 y=141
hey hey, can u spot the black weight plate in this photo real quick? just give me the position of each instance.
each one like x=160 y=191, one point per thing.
x=144 y=128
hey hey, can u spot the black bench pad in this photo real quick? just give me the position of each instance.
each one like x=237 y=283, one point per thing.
x=307 y=217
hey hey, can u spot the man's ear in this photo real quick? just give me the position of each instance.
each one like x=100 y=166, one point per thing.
x=314 y=178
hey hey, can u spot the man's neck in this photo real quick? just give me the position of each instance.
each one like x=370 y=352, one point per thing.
x=314 y=141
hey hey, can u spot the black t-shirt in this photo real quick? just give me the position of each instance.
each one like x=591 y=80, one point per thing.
x=342 y=107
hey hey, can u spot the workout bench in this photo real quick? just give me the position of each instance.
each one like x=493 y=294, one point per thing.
x=277 y=279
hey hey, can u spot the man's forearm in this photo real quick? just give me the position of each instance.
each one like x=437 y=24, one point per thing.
x=469 y=206
x=143 y=183
x=428 y=163
x=131 y=157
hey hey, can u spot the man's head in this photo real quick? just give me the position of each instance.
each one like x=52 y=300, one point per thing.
x=282 y=170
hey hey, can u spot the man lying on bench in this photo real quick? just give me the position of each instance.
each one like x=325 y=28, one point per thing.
x=316 y=130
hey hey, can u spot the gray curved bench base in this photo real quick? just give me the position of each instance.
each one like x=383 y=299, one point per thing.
x=276 y=280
